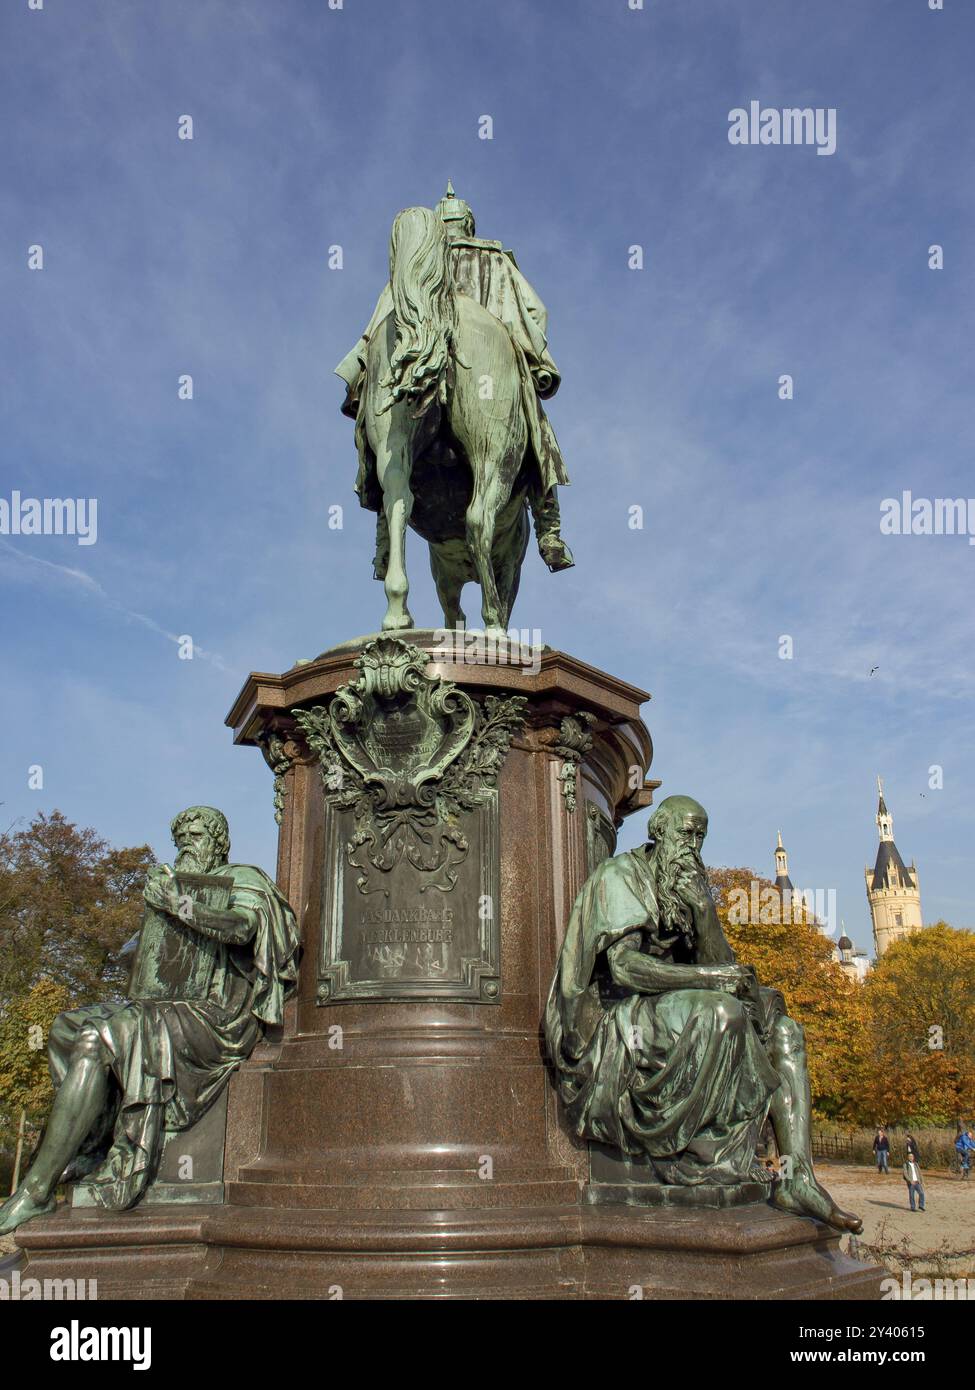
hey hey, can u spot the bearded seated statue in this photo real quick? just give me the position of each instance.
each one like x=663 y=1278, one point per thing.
x=216 y=960
x=663 y=1047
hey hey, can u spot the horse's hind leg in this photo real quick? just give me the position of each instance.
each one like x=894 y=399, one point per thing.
x=449 y=569
x=510 y=545
x=481 y=519
x=393 y=448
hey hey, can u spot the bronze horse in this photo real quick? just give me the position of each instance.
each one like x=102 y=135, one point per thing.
x=443 y=414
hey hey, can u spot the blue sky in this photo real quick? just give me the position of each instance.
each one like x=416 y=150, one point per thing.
x=314 y=127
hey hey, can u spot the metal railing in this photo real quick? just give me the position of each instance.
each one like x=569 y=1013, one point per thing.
x=832 y=1146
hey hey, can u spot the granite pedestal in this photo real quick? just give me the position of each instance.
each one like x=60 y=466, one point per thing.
x=400 y=1137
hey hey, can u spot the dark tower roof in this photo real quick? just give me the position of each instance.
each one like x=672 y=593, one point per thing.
x=890 y=871
x=844 y=943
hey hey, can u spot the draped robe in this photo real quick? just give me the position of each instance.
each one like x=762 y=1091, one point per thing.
x=170 y=1061
x=679 y=1076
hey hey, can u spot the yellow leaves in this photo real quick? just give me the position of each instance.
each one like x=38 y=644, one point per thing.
x=795 y=956
x=920 y=1002
x=67 y=904
x=899 y=1048
x=24 y=1027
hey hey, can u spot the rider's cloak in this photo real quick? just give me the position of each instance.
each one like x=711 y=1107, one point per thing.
x=487 y=273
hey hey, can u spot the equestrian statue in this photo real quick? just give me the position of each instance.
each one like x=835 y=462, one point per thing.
x=445 y=387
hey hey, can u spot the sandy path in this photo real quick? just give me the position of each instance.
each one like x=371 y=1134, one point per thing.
x=948 y=1221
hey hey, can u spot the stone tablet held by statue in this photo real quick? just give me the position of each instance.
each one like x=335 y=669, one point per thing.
x=171 y=960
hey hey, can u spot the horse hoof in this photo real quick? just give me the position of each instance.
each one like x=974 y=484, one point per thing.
x=397 y=623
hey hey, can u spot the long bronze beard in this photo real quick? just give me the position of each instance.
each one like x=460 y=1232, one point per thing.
x=668 y=862
x=188 y=863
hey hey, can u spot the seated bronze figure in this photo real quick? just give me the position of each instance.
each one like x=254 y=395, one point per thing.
x=663 y=1046
x=216 y=959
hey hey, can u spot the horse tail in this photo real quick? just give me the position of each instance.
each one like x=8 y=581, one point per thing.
x=423 y=307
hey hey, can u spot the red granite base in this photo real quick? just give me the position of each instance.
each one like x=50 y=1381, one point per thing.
x=566 y=1252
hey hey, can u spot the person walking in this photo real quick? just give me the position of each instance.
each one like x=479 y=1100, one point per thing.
x=881 y=1150
x=915 y=1185
x=964 y=1146
x=910 y=1143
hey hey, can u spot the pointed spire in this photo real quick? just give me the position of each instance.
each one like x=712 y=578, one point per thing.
x=450 y=190
x=885 y=821
x=782 y=880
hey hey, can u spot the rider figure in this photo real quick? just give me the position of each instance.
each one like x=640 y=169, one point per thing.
x=486 y=272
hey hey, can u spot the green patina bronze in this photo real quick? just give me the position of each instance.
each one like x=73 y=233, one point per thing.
x=409 y=770
x=665 y=1048
x=407 y=754
x=215 y=960
x=445 y=386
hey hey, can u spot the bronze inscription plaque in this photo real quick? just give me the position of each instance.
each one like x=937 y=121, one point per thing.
x=422 y=924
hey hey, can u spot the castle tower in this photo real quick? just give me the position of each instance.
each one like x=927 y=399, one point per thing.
x=782 y=880
x=892 y=888
x=852 y=962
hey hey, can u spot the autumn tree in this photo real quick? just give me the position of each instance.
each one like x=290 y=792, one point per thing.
x=68 y=902
x=919 y=1053
x=24 y=1026
x=791 y=952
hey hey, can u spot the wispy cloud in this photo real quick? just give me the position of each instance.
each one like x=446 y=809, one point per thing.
x=91 y=588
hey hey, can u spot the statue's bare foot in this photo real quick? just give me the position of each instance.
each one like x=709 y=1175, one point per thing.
x=802 y=1195
x=21 y=1207
x=759 y=1173
x=555 y=553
